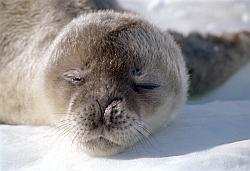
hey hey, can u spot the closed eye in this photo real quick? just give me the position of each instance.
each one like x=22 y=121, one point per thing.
x=144 y=86
x=73 y=76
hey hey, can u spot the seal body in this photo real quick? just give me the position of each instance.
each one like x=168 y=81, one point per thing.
x=109 y=78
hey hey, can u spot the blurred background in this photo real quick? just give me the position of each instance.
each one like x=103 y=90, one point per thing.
x=194 y=15
x=204 y=16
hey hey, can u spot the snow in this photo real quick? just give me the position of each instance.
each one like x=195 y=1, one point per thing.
x=210 y=133
x=202 y=137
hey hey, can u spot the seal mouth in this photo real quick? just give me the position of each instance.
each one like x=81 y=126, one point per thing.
x=101 y=146
x=101 y=140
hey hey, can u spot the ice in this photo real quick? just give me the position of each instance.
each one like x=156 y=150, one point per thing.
x=211 y=136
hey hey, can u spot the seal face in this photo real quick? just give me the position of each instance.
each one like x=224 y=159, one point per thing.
x=116 y=78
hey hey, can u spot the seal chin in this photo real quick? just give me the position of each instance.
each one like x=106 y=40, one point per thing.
x=102 y=146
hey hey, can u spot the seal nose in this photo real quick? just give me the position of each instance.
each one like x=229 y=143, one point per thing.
x=111 y=100
x=111 y=110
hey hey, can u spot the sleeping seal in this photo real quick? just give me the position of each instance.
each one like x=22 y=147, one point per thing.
x=110 y=78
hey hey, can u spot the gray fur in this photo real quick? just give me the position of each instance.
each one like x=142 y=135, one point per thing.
x=62 y=62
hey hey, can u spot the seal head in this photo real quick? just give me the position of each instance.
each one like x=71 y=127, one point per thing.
x=116 y=78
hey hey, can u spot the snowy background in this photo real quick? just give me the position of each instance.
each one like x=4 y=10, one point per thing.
x=210 y=133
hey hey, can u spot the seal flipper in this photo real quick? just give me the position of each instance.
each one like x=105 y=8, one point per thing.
x=211 y=60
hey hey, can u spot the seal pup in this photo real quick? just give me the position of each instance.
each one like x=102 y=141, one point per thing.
x=109 y=78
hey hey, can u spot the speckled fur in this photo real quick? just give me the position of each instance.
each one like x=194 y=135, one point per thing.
x=41 y=43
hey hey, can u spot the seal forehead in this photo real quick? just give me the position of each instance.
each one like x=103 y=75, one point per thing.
x=124 y=36
x=112 y=45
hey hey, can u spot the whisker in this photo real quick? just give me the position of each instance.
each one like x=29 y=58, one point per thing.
x=58 y=127
x=143 y=129
x=59 y=132
x=76 y=133
x=150 y=137
x=135 y=147
x=140 y=139
x=146 y=142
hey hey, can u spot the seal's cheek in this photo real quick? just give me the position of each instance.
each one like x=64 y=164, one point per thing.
x=149 y=102
x=156 y=110
x=58 y=93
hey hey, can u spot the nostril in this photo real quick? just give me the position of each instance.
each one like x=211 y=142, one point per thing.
x=112 y=99
x=100 y=106
x=110 y=110
x=101 y=111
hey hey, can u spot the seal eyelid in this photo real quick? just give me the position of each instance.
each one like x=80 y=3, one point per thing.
x=148 y=86
x=144 y=86
x=73 y=77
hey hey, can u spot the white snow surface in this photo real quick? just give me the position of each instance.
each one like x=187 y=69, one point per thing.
x=210 y=133
x=211 y=136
